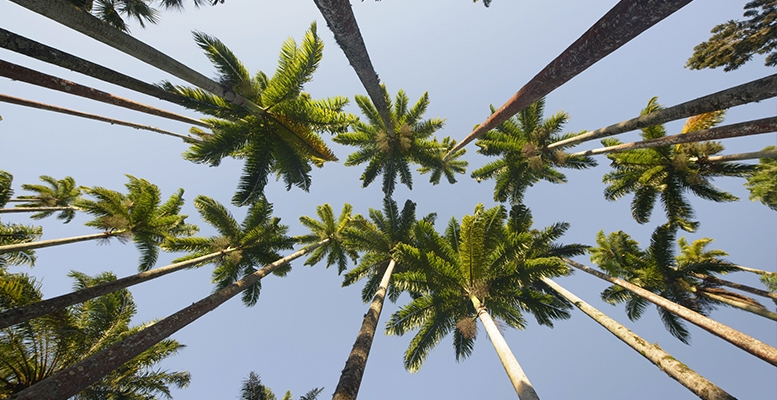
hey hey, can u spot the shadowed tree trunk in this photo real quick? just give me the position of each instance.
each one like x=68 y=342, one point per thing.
x=19 y=73
x=663 y=360
x=33 y=104
x=33 y=209
x=756 y=90
x=737 y=338
x=351 y=377
x=749 y=306
x=75 y=378
x=739 y=286
x=622 y=23
x=765 y=125
x=341 y=21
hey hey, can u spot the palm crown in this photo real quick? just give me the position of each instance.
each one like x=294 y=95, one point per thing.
x=56 y=193
x=391 y=153
x=284 y=140
x=522 y=142
x=332 y=230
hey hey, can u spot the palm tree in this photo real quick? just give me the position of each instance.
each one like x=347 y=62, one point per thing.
x=40 y=348
x=284 y=139
x=485 y=268
x=61 y=193
x=625 y=21
x=757 y=90
x=667 y=171
x=333 y=231
x=6 y=189
x=113 y=12
x=234 y=250
x=138 y=216
x=663 y=360
x=15 y=234
x=522 y=145
x=391 y=153
x=377 y=240
x=737 y=338
x=253 y=389
x=762 y=183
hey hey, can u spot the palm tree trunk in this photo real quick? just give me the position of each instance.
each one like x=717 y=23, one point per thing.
x=40 y=51
x=56 y=242
x=735 y=337
x=71 y=380
x=756 y=90
x=663 y=360
x=19 y=73
x=743 y=156
x=33 y=209
x=518 y=378
x=21 y=314
x=625 y=21
x=762 y=311
x=341 y=21
x=739 y=286
x=33 y=104
x=765 y=125
x=756 y=271
x=351 y=377
x=70 y=16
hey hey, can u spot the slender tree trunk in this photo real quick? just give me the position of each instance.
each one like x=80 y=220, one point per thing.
x=756 y=127
x=520 y=382
x=33 y=104
x=756 y=90
x=744 y=156
x=21 y=314
x=737 y=338
x=739 y=286
x=351 y=377
x=71 y=380
x=342 y=22
x=33 y=209
x=756 y=271
x=625 y=21
x=762 y=311
x=19 y=73
x=56 y=242
x=663 y=360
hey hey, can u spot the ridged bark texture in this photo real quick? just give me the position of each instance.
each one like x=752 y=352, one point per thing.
x=518 y=378
x=75 y=378
x=622 y=23
x=735 y=337
x=765 y=125
x=664 y=361
x=342 y=22
x=21 y=314
x=351 y=377
x=756 y=90
x=23 y=74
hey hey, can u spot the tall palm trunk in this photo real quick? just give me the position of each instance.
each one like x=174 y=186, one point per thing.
x=739 y=286
x=33 y=209
x=663 y=360
x=625 y=21
x=341 y=21
x=351 y=377
x=765 y=125
x=23 y=74
x=56 y=242
x=756 y=271
x=520 y=382
x=33 y=104
x=21 y=314
x=735 y=337
x=762 y=311
x=743 y=156
x=756 y=90
x=69 y=381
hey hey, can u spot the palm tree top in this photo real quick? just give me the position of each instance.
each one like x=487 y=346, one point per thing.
x=55 y=193
x=332 y=230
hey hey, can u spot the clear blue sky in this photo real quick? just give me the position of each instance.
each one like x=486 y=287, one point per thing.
x=466 y=56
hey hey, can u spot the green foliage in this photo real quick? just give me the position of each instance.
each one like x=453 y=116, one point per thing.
x=253 y=389
x=36 y=349
x=492 y=257
x=734 y=43
x=15 y=234
x=336 y=250
x=524 y=159
x=656 y=269
x=391 y=153
x=56 y=193
x=770 y=281
x=6 y=191
x=284 y=137
x=763 y=182
x=244 y=247
x=113 y=12
x=668 y=172
x=139 y=215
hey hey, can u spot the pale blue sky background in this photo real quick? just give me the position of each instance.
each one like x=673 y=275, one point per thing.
x=466 y=56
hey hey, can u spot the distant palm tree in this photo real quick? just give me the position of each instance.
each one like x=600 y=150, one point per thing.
x=390 y=153
x=284 y=138
x=56 y=193
x=522 y=144
x=253 y=389
x=667 y=172
x=485 y=268
x=6 y=189
x=333 y=231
